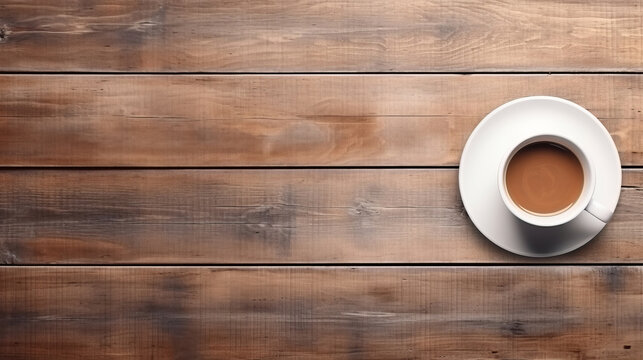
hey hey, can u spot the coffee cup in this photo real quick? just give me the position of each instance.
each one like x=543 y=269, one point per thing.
x=547 y=180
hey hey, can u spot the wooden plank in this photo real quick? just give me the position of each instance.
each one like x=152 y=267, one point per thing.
x=266 y=216
x=344 y=313
x=281 y=120
x=318 y=35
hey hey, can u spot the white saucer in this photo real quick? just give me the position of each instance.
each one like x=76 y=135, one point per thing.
x=494 y=137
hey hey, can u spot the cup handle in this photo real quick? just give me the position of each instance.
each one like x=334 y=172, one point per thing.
x=599 y=211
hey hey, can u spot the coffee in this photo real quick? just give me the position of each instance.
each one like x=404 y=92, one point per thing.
x=544 y=178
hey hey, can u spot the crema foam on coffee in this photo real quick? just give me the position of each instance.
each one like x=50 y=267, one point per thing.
x=544 y=178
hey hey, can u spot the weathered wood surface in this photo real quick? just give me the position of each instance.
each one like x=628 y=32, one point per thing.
x=320 y=35
x=281 y=120
x=298 y=216
x=555 y=312
x=266 y=216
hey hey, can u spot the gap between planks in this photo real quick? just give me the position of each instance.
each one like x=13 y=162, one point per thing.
x=333 y=73
x=328 y=265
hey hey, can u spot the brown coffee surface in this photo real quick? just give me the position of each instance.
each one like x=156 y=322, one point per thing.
x=544 y=178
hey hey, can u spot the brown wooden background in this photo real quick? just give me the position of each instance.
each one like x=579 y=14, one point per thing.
x=278 y=179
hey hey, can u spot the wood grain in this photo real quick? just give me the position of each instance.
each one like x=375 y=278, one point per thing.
x=281 y=120
x=340 y=313
x=266 y=216
x=319 y=35
x=298 y=216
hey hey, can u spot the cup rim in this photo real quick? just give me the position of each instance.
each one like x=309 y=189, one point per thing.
x=558 y=218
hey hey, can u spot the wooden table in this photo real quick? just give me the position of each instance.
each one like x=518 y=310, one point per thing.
x=278 y=179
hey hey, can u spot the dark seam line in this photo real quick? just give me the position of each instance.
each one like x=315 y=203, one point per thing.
x=390 y=264
x=126 y=168
x=9 y=72
x=270 y=167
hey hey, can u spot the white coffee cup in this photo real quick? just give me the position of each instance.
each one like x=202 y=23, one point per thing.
x=585 y=201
